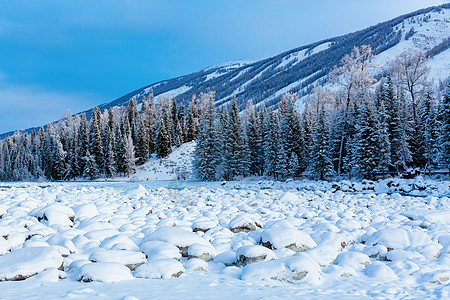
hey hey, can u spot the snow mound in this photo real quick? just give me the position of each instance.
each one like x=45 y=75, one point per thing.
x=119 y=241
x=203 y=252
x=244 y=223
x=249 y=254
x=380 y=271
x=27 y=262
x=176 y=236
x=196 y=264
x=398 y=238
x=296 y=240
x=164 y=268
x=158 y=249
x=131 y=259
x=353 y=259
x=299 y=268
x=108 y=272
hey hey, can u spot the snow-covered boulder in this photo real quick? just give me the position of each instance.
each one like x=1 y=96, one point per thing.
x=85 y=211
x=204 y=224
x=293 y=239
x=176 y=236
x=130 y=259
x=27 y=262
x=299 y=268
x=4 y=245
x=203 y=252
x=353 y=259
x=398 y=238
x=380 y=272
x=438 y=276
x=164 y=268
x=158 y=249
x=108 y=272
x=228 y=258
x=244 y=223
x=119 y=242
x=249 y=254
x=196 y=264
x=54 y=214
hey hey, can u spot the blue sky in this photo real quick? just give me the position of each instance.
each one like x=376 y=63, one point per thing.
x=57 y=55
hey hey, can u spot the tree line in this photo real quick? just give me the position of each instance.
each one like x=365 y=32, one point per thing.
x=358 y=129
x=112 y=142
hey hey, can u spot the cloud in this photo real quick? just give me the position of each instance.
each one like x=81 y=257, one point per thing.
x=24 y=107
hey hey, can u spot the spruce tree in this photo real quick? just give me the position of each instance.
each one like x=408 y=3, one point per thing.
x=320 y=164
x=368 y=141
x=163 y=140
x=206 y=156
x=90 y=166
x=236 y=153
x=444 y=139
x=95 y=139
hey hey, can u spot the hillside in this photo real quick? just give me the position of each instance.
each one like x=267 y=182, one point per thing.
x=300 y=69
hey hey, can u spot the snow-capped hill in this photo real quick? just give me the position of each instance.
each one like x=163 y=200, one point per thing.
x=300 y=69
x=423 y=32
x=176 y=166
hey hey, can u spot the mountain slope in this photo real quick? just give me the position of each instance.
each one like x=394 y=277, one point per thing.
x=300 y=69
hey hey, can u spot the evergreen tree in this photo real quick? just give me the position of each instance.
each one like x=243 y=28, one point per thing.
x=192 y=122
x=384 y=142
x=206 y=155
x=163 y=140
x=254 y=140
x=445 y=130
x=272 y=143
x=142 y=147
x=90 y=166
x=236 y=152
x=320 y=165
x=95 y=139
x=368 y=141
x=130 y=160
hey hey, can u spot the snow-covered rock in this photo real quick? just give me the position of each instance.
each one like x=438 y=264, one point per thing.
x=108 y=272
x=27 y=262
x=130 y=259
x=176 y=236
x=253 y=253
x=299 y=268
x=295 y=240
x=163 y=268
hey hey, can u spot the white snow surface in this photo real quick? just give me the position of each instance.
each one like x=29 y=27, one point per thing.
x=177 y=165
x=387 y=239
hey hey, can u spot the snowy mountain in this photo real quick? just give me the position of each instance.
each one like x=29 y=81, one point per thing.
x=301 y=69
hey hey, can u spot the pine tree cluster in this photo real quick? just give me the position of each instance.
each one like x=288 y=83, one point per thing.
x=378 y=136
x=110 y=143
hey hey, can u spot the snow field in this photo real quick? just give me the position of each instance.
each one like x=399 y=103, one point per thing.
x=386 y=239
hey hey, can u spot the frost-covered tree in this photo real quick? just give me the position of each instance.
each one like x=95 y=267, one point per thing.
x=354 y=76
x=445 y=130
x=163 y=139
x=90 y=166
x=320 y=164
x=236 y=153
x=368 y=140
x=206 y=156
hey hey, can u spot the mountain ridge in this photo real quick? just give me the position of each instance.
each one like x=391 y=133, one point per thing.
x=296 y=70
